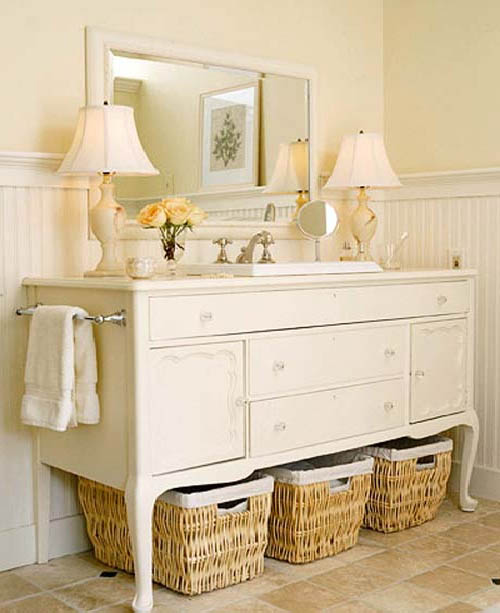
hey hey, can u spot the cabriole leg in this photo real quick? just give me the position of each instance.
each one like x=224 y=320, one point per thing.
x=140 y=501
x=470 y=440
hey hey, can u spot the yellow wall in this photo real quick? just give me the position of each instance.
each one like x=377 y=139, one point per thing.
x=442 y=85
x=43 y=64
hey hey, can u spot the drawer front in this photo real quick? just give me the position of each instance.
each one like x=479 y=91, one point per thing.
x=321 y=359
x=197 y=412
x=310 y=419
x=185 y=316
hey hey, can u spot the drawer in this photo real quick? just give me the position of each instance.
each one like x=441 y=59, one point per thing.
x=185 y=316
x=310 y=419
x=324 y=358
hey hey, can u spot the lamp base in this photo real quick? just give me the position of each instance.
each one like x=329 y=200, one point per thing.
x=363 y=226
x=300 y=201
x=107 y=219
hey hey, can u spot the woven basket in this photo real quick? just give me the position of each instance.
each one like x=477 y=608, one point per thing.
x=311 y=521
x=407 y=492
x=195 y=550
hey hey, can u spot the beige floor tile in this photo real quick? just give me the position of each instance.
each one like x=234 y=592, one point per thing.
x=12 y=586
x=459 y=607
x=358 y=552
x=301 y=597
x=392 y=539
x=98 y=592
x=474 y=534
x=119 y=608
x=435 y=549
x=304 y=571
x=495 y=548
x=37 y=604
x=451 y=581
x=59 y=572
x=407 y=598
x=400 y=565
x=250 y=605
x=492 y=520
x=352 y=581
x=485 y=563
x=485 y=598
x=354 y=606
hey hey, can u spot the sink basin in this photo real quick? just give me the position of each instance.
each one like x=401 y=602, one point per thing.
x=279 y=269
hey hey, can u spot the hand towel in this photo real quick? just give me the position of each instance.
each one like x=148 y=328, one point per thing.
x=61 y=370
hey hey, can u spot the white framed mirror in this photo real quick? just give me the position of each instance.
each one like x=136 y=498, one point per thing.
x=212 y=123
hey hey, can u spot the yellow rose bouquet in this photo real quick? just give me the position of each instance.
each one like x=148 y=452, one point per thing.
x=172 y=217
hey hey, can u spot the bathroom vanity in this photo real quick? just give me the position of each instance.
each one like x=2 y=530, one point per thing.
x=211 y=379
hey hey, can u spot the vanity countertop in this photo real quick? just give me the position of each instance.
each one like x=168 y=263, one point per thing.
x=206 y=283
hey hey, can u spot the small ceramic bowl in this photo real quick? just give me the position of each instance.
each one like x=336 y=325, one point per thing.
x=141 y=268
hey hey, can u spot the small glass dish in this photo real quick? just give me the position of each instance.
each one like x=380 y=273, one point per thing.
x=141 y=267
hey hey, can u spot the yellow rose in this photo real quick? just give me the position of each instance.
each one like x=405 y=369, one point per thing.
x=177 y=210
x=196 y=216
x=152 y=215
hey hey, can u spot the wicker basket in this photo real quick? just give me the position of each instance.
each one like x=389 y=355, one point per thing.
x=195 y=548
x=318 y=507
x=409 y=482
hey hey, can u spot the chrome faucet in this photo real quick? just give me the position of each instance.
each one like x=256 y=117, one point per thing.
x=263 y=238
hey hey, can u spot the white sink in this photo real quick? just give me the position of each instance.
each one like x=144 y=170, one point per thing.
x=278 y=269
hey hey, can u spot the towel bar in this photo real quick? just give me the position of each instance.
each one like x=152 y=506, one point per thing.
x=118 y=318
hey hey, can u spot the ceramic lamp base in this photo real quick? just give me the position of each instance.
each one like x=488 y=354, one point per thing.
x=104 y=273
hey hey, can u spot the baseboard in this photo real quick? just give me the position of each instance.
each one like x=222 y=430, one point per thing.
x=68 y=535
x=485 y=482
x=18 y=546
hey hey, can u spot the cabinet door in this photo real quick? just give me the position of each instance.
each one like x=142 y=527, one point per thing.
x=197 y=408
x=439 y=369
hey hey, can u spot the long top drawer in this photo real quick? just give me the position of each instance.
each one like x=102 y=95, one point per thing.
x=210 y=314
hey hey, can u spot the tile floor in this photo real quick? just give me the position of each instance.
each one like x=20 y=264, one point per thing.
x=445 y=565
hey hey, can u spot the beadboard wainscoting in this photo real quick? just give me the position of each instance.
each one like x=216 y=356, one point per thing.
x=461 y=210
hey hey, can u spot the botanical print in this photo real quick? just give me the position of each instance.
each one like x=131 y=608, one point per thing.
x=228 y=138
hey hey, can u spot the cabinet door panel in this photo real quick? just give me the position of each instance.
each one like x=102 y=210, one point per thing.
x=197 y=411
x=439 y=369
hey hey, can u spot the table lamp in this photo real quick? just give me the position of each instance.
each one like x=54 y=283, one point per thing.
x=362 y=162
x=291 y=173
x=106 y=143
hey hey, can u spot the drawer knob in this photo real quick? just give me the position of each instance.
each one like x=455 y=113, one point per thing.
x=442 y=300
x=280 y=426
x=278 y=366
x=419 y=373
x=206 y=316
x=389 y=353
x=389 y=405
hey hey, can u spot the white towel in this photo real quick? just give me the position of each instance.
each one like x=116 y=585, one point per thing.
x=61 y=370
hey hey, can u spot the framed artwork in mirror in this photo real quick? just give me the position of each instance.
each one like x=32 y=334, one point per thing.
x=229 y=137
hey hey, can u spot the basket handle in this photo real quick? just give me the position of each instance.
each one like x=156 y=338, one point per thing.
x=427 y=462
x=340 y=485
x=233 y=506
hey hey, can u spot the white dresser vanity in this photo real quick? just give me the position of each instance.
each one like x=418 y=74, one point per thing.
x=211 y=379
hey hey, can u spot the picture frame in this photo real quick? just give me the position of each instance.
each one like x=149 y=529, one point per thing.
x=229 y=138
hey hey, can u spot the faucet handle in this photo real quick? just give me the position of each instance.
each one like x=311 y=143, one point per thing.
x=222 y=256
x=266 y=240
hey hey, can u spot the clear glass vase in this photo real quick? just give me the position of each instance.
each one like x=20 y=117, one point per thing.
x=173 y=249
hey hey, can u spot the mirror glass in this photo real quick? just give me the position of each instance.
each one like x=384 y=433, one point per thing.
x=213 y=132
x=317 y=219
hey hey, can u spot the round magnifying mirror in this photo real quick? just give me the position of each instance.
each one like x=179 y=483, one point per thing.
x=316 y=220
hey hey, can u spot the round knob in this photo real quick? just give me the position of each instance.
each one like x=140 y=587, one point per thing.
x=389 y=405
x=419 y=373
x=206 y=316
x=280 y=426
x=389 y=353
x=278 y=366
x=239 y=402
x=442 y=300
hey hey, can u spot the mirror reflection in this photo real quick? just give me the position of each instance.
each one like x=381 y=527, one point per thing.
x=211 y=132
x=317 y=219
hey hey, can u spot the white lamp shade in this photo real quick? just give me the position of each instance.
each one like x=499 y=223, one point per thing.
x=363 y=162
x=106 y=141
x=291 y=172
